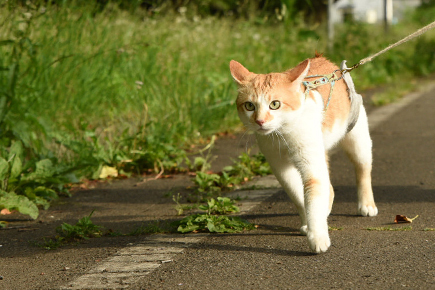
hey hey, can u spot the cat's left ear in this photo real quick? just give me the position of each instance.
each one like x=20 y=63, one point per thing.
x=298 y=74
x=240 y=74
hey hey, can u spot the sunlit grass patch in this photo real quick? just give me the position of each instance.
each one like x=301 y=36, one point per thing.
x=393 y=92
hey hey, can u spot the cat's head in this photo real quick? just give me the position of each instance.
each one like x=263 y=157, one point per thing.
x=266 y=102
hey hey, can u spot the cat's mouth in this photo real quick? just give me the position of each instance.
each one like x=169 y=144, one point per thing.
x=264 y=131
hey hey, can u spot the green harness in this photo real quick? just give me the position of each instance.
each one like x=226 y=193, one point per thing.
x=323 y=80
x=355 y=99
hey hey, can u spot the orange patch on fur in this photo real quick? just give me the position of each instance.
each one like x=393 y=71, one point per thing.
x=313 y=187
x=290 y=100
x=339 y=105
x=262 y=115
x=311 y=183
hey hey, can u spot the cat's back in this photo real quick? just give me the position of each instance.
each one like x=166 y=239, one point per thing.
x=339 y=104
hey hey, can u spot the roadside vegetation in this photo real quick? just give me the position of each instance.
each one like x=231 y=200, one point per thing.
x=90 y=90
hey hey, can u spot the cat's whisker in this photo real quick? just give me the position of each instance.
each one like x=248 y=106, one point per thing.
x=282 y=137
x=247 y=139
x=279 y=143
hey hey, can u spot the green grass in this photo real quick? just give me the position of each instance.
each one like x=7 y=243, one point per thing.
x=393 y=92
x=118 y=75
x=390 y=229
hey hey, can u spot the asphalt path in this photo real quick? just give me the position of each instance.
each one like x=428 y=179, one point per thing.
x=277 y=257
x=366 y=252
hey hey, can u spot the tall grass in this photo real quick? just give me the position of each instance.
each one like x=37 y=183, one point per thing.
x=139 y=87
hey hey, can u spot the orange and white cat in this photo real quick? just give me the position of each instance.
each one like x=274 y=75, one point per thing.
x=295 y=131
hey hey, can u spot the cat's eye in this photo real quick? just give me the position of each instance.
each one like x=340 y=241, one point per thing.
x=274 y=105
x=249 y=106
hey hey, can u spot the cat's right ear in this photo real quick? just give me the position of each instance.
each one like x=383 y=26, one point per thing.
x=298 y=74
x=240 y=74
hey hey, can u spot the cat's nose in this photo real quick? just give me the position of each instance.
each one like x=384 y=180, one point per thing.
x=260 y=122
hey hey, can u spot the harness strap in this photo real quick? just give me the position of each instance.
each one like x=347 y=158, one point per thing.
x=323 y=80
x=355 y=99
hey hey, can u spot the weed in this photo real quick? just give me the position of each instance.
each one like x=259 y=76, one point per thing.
x=389 y=229
x=181 y=208
x=429 y=229
x=212 y=220
x=213 y=224
x=242 y=170
x=331 y=228
x=82 y=230
x=221 y=205
x=52 y=243
x=67 y=233
x=25 y=185
x=202 y=163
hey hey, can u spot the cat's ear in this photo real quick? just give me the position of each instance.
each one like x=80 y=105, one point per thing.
x=240 y=74
x=297 y=75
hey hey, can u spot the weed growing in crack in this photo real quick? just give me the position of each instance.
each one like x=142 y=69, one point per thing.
x=67 y=233
x=214 y=219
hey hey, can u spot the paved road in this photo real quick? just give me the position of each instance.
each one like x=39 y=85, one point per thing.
x=273 y=257
x=276 y=257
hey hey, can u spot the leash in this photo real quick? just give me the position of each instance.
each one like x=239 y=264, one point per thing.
x=332 y=78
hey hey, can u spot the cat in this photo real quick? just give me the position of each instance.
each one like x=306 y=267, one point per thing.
x=295 y=130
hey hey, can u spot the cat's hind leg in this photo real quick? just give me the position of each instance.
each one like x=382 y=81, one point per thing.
x=331 y=198
x=358 y=146
x=331 y=189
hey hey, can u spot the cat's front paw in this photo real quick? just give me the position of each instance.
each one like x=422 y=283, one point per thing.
x=303 y=230
x=318 y=241
x=368 y=210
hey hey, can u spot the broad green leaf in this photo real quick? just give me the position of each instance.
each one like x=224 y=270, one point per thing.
x=11 y=201
x=211 y=227
x=17 y=167
x=17 y=150
x=4 y=169
x=44 y=169
x=46 y=193
x=188 y=228
x=72 y=178
x=39 y=201
x=30 y=193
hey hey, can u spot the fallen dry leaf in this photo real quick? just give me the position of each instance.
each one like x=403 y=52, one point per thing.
x=5 y=211
x=108 y=171
x=404 y=219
